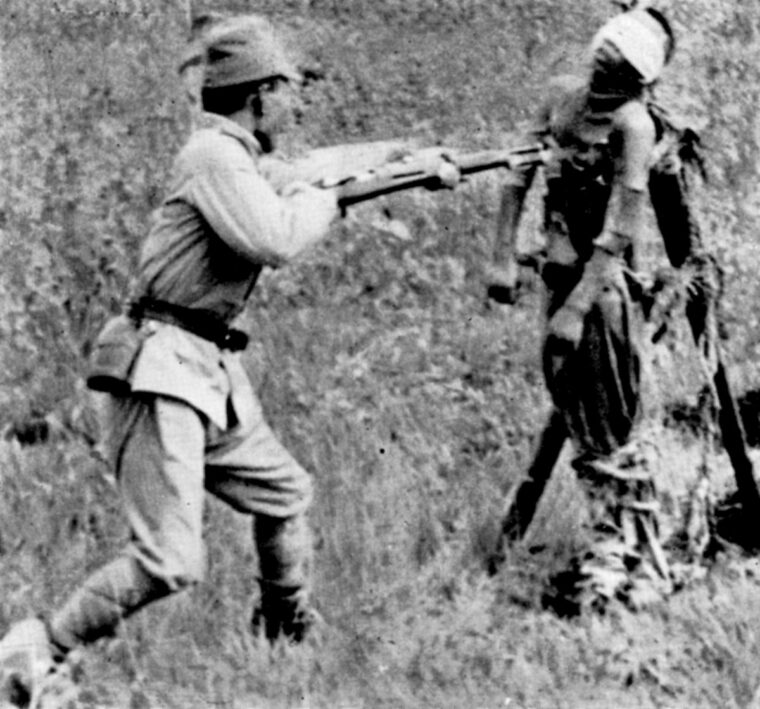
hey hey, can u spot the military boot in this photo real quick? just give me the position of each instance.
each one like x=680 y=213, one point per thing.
x=284 y=547
x=283 y=611
x=27 y=662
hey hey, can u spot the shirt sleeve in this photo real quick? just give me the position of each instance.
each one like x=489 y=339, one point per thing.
x=243 y=209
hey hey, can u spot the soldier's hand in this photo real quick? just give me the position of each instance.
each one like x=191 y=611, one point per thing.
x=502 y=283
x=444 y=173
x=448 y=173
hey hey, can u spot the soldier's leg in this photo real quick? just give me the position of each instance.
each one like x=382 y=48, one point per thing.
x=251 y=470
x=285 y=553
x=159 y=458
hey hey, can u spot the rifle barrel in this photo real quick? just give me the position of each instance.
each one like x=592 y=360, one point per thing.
x=362 y=190
x=510 y=158
x=396 y=178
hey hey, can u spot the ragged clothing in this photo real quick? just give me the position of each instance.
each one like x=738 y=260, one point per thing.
x=610 y=155
x=219 y=225
x=596 y=185
x=221 y=222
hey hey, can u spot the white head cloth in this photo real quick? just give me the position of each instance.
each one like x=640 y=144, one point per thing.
x=639 y=38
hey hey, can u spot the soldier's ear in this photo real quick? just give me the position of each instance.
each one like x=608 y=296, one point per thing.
x=253 y=104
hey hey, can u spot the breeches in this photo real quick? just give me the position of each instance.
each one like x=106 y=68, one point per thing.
x=167 y=455
x=595 y=383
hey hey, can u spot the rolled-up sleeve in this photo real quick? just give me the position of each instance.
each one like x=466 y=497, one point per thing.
x=244 y=210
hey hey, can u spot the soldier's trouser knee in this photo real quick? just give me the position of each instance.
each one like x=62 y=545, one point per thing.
x=166 y=456
x=157 y=445
x=161 y=476
x=171 y=455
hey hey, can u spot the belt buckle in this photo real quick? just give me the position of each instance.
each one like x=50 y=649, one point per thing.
x=234 y=340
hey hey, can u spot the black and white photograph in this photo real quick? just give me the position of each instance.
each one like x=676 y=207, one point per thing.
x=379 y=354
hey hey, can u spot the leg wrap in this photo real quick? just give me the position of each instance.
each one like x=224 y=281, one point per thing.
x=97 y=607
x=284 y=547
x=624 y=557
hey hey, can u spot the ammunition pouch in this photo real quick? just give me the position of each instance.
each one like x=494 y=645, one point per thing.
x=113 y=356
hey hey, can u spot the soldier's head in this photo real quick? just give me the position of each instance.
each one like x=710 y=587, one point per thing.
x=246 y=72
x=630 y=51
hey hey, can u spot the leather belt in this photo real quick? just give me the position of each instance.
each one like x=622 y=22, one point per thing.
x=203 y=323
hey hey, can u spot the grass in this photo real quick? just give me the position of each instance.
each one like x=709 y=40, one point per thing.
x=414 y=404
x=415 y=429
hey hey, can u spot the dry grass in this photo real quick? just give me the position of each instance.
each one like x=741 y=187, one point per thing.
x=411 y=477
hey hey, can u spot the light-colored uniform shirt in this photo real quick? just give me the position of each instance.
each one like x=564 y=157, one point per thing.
x=220 y=224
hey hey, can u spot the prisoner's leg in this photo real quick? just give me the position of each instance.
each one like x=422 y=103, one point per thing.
x=523 y=507
x=623 y=556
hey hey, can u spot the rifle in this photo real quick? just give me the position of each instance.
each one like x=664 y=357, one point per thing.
x=430 y=168
x=363 y=171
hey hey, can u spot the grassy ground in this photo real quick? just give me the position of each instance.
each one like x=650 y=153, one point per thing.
x=414 y=446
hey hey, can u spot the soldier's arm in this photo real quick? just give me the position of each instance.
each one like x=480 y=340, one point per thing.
x=244 y=210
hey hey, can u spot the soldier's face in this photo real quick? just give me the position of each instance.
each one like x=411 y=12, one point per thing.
x=273 y=111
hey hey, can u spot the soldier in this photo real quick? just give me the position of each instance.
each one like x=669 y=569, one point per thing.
x=183 y=417
x=611 y=149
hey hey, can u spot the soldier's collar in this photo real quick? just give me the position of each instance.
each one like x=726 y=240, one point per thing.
x=229 y=127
